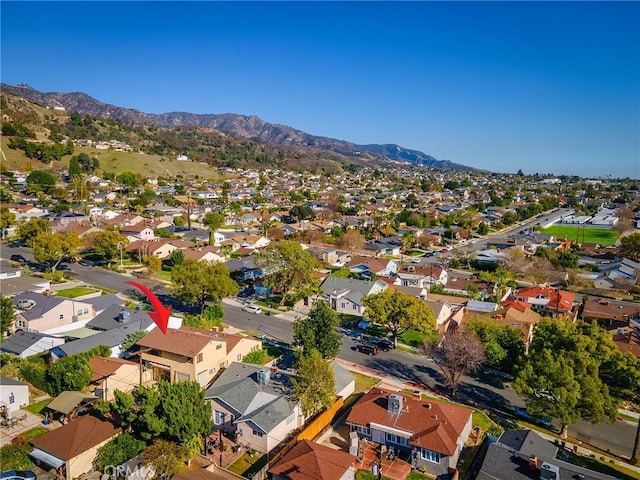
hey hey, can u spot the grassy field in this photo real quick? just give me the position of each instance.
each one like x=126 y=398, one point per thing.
x=364 y=382
x=600 y=236
x=76 y=292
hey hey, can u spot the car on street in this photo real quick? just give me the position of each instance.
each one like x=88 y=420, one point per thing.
x=86 y=263
x=367 y=348
x=18 y=475
x=385 y=344
x=18 y=258
x=522 y=413
x=252 y=309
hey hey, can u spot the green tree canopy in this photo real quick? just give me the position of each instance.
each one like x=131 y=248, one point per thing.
x=106 y=244
x=503 y=345
x=72 y=372
x=287 y=266
x=167 y=458
x=199 y=282
x=630 y=247
x=118 y=450
x=399 y=312
x=214 y=220
x=7 y=220
x=314 y=383
x=28 y=229
x=561 y=377
x=40 y=181
x=185 y=410
x=52 y=248
x=7 y=315
x=318 y=331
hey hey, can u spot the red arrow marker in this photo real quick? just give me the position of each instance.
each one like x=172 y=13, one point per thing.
x=160 y=314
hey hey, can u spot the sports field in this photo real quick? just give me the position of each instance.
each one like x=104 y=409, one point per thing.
x=601 y=236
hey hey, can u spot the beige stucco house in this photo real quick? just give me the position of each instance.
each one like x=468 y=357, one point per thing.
x=111 y=374
x=36 y=312
x=192 y=354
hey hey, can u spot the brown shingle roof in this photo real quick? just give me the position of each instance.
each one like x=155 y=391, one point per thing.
x=103 y=367
x=187 y=341
x=435 y=425
x=312 y=461
x=75 y=437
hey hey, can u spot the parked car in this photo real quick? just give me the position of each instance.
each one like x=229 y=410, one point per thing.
x=252 y=309
x=86 y=263
x=18 y=475
x=522 y=413
x=385 y=345
x=18 y=258
x=367 y=348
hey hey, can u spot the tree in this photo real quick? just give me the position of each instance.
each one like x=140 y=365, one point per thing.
x=561 y=377
x=185 y=410
x=28 y=229
x=287 y=266
x=7 y=315
x=129 y=180
x=40 y=181
x=131 y=339
x=399 y=312
x=318 y=331
x=7 y=220
x=314 y=383
x=118 y=450
x=74 y=167
x=351 y=241
x=211 y=317
x=214 y=220
x=503 y=345
x=483 y=229
x=153 y=263
x=167 y=458
x=54 y=247
x=197 y=282
x=72 y=372
x=106 y=244
x=459 y=353
x=630 y=247
x=625 y=219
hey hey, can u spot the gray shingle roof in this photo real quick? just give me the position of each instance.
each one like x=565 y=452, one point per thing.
x=22 y=341
x=265 y=405
x=43 y=304
x=10 y=381
x=108 y=319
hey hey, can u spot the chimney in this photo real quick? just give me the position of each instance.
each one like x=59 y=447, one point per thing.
x=533 y=463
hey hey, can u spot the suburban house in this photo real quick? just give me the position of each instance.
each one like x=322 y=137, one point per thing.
x=139 y=231
x=626 y=272
x=111 y=374
x=13 y=394
x=385 y=246
x=330 y=256
x=549 y=301
x=24 y=344
x=523 y=455
x=420 y=275
x=510 y=315
x=36 y=312
x=369 y=266
x=428 y=433
x=345 y=294
x=244 y=269
x=609 y=312
x=205 y=254
x=308 y=460
x=443 y=312
x=255 y=404
x=13 y=282
x=72 y=448
x=192 y=354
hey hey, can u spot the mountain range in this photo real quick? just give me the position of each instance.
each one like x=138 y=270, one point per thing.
x=250 y=127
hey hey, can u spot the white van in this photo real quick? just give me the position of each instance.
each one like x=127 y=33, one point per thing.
x=252 y=309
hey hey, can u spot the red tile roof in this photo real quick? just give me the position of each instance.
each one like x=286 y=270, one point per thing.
x=75 y=437
x=312 y=461
x=434 y=425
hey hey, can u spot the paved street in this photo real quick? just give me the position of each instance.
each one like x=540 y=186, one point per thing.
x=483 y=390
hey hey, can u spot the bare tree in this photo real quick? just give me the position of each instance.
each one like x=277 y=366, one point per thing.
x=459 y=353
x=352 y=241
x=314 y=237
x=625 y=219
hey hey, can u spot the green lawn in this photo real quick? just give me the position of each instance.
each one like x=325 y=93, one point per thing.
x=75 y=292
x=367 y=475
x=243 y=463
x=364 y=382
x=418 y=476
x=37 y=407
x=600 y=236
x=415 y=338
x=616 y=471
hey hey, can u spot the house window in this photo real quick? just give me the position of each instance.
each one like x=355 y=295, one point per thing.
x=257 y=433
x=199 y=358
x=354 y=307
x=430 y=456
x=218 y=417
x=218 y=346
x=61 y=316
x=82 y=311
x=343 y=305
x=363 y=430
x=239 y=432
x=21 y=324
x=391 y=438
x=239 y=357
x=12 y=398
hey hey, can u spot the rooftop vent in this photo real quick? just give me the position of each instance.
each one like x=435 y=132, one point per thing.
x=124 y=315
x=264 y=376
x=394 y=404
x=26 y=304
x=549 y=471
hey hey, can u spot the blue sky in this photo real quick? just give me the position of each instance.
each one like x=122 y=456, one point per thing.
x=547 y=87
